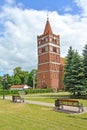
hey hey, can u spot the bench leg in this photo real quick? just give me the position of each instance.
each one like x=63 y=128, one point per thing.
x=61 y=106
x=81 y=109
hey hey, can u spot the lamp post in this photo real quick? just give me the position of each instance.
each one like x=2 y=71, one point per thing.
x=4 y=79
x=34 y=74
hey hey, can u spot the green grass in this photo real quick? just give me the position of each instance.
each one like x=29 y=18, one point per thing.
x=50 y=97
x=21 y=116
x=32 y=117
x=47 y=97
x=52 y=100
x=48 y=100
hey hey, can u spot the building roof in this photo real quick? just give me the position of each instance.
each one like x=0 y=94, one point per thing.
x=20 y=86
x=17 y=86
x=47 y=29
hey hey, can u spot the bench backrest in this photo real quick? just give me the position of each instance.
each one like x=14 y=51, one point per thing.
x=67 y=102
x=16 y=97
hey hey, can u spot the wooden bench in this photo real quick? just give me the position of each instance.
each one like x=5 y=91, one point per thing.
x=59 y=103
x=17 y=98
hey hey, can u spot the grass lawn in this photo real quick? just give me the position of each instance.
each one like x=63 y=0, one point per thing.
x=46 y=97
x=21 y=116
x=50 y=97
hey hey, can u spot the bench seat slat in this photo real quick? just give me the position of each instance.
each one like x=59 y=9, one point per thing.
x=68 y=102
x=17 y=98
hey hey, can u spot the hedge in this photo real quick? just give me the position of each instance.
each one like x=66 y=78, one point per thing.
x=31 y=91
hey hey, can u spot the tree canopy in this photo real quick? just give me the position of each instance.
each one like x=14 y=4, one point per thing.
x=85 y=64
x=74 y=73
x=20 y=77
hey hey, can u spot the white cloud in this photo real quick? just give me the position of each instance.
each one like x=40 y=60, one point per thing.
x=10 y=2
x=67 y=9
x=18 y=40
x=83 y=5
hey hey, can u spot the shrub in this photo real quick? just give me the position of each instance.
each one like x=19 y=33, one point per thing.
x=38 y=91
x=31 y=91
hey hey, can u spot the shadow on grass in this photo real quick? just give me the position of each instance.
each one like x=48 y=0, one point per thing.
x=78 y=97
x=66 y=111
x=77 y=117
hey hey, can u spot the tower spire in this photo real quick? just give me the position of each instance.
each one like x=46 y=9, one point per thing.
x=47 y=17
x=47 y=29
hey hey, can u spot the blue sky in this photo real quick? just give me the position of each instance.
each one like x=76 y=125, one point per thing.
x=51 y=5
x=22 y=20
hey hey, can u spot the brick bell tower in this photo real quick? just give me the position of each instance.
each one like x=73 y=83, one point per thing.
x=48 y=59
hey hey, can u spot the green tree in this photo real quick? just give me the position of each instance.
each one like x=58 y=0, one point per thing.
x=68 y=69
x=73 y=78
x=0 y=81
x=9 y=81
x=32 y=78
x=25 y=77
x=77 y=75
x=21 y=74
x=17 y=79
x=17 y=70
x=85 y=64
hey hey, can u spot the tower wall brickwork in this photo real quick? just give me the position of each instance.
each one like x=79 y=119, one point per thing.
x=49 y=65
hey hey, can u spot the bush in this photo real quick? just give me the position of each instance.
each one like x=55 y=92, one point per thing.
x=14 y=91
x=6 y=92
x=31 y=91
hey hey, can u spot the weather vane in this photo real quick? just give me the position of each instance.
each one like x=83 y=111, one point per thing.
x=47 y=17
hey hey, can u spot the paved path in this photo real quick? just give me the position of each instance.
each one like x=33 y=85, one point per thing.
x=35 y=102
x=40 y=103
x=67 y=109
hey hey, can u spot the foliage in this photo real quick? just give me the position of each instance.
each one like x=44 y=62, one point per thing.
x=6 y=92
x=24 y=77
x=78 y=90
x=85 y=64
x=68 y=69
x=39 y=91
x=19 y=77
x=9 y=81
x=77 y=69
x=6 y=81
x=0 y=82
x=30 y=91
x=74 y=76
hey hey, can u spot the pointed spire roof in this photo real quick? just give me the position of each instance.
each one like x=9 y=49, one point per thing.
x=47 y=29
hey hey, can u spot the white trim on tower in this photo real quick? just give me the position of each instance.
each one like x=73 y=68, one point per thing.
x=50 y=63
x=50 y=44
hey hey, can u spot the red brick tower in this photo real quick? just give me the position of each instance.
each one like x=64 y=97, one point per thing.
x=48 y=59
